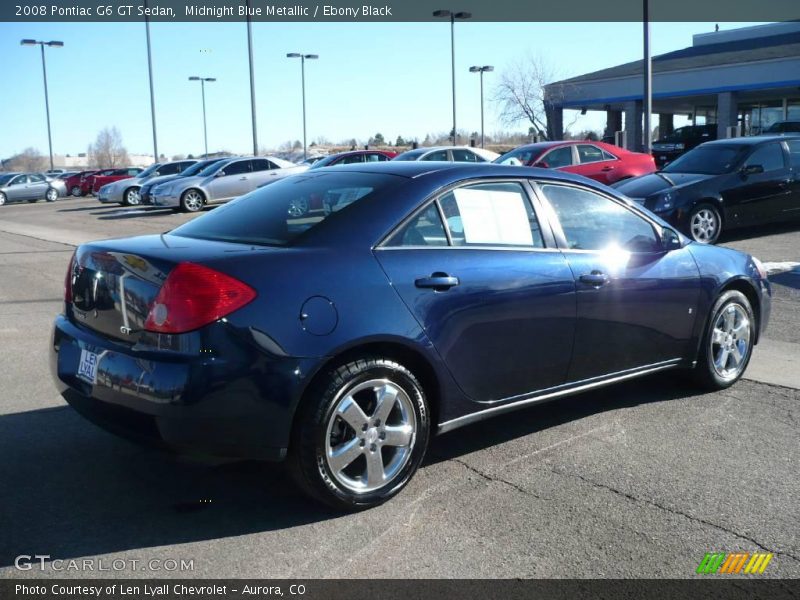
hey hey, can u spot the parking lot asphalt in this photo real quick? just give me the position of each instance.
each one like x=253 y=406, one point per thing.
x=637 y=480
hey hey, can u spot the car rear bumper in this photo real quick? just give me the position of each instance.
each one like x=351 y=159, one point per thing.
x=196 y=405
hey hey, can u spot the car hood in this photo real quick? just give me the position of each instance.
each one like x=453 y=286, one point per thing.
x=647 y=185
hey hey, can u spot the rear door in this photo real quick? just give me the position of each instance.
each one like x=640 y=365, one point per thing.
x=791 y=204
x=37 y=186
x=636 y=303
x=595 y=163
x=760 y=197
x=263 y=171
x=493 y=295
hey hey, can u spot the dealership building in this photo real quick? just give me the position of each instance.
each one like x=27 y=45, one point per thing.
x=742 y=80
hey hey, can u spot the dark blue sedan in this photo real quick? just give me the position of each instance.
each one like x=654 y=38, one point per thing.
x=414 y=299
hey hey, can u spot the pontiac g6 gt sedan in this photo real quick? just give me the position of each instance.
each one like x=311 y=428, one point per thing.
x=421 y=298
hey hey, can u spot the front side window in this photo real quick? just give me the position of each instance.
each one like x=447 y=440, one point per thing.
x=593 y=222
x=769 y=156
x=19 y=180
x=559 y=157
x=491 y=214
x=236 y=168
x=436 y=155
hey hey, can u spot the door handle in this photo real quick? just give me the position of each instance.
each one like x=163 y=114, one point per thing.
x=607 y=169
x=440 y=282
x=595 y=278
x=243 y=178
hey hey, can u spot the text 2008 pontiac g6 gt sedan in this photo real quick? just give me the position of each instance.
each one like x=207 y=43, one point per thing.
x=414 y=299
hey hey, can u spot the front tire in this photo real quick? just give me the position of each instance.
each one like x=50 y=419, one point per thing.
x=76 y=191
x=131 y=197
x=51 y=195
x=2 y=198
x=192 y=201
x=361 y=434
x=705 y=224
x=727 y=343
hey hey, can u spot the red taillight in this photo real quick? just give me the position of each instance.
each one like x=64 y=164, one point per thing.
x=193 y=296
x=68 y=280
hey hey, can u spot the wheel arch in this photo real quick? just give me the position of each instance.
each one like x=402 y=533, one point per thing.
x=413 y=359
x=746 y=287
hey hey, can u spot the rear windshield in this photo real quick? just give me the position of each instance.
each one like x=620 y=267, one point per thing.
x=281 y=212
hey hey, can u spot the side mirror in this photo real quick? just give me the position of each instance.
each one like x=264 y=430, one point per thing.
x=219 y=174
x=670 y=240
x=541 y=164
x=752 y=169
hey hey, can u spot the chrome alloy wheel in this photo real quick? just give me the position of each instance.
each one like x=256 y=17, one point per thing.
x=193 y=201
x=298 y=207
x=52 y=195
x=76 y=191
x=132 y=197
x=704 y=226
x=730 y=341
x=370 y=435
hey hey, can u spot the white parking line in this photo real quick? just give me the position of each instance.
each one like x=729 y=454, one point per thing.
x=773 y=268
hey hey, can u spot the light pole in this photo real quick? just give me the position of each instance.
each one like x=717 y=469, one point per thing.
x=481 y=70
x=52 y=44
x=202 y=81
x=252 y=79
x=449 y=14
x=648 y=80
x=303 y=58
x=152 y=93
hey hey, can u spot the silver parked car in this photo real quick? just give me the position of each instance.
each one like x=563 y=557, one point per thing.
x=126 y=191
x=147 y=187
x=222 y=181
x=449 y=154
x=15 y=187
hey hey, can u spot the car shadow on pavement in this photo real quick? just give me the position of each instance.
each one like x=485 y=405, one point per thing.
x=69 y=489
x=81 y=209
x=745 y=233
x=516 y=424
x=133 y=212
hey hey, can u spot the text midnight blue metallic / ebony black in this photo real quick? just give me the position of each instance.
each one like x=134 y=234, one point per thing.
x=411 y=298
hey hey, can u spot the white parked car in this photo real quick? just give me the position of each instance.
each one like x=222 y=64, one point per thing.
x=449 y=154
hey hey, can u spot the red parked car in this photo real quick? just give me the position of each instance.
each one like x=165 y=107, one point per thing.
x=100 y=179
x=74 y=183
x=597 y=160
x=88 y=180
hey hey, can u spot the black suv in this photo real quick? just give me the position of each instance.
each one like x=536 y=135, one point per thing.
x=671 y=146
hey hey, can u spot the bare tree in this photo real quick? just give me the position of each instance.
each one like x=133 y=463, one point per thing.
x=107 y=151
x=520 y=92
x=29 y=160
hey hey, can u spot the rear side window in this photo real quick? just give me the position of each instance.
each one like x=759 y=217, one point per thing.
x=588 y=153
x=769 y=156
x=261 y=164
x=437 y=155
x=593 y=222
x=269 y=217
x=491 y=214
x=425 y=229
x=461 y=155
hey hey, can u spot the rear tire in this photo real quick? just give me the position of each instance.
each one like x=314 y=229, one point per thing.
x=2 y=198
x=50 y=196
x=727 y=342
x=360 y=434
x=76 y=191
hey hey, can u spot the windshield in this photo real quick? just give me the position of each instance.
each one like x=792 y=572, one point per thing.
x=281 y=212
x=198 y=167
x=149 y=170
x=708 y=160
x=212 y=168
x=520 y=156
x=411 y=154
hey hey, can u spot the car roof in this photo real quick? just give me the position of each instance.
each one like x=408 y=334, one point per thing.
x=753 y=140
x=460 y=170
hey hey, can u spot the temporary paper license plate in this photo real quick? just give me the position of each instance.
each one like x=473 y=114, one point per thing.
x=87 y=367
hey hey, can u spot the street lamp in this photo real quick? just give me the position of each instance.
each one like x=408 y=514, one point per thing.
x=202 y=81
x=481 y=70
x=303 y=58
x=52 y=44
x=449 y=14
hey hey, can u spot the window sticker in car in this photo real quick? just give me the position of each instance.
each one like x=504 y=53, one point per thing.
x=493 y=217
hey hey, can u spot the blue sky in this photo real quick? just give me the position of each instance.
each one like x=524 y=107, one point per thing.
x=389 y=78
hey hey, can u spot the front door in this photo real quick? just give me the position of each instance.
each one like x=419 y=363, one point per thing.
x=495 y=301
x=761 y=196
x=636 y=303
